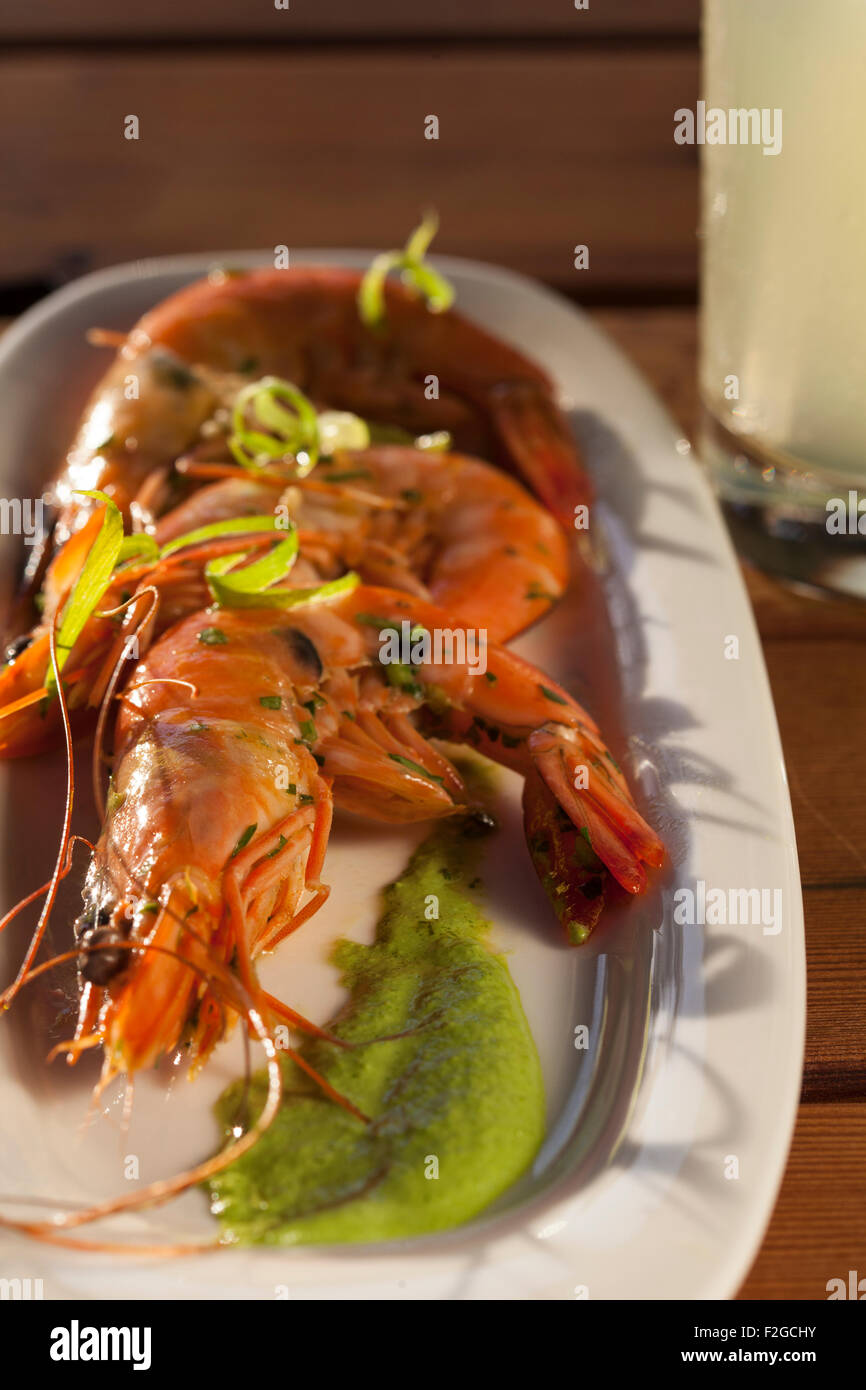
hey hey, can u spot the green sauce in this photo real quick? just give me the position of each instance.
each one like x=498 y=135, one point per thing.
x=458 y=1093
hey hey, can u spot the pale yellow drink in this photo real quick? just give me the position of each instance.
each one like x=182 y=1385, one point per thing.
x=783 y=355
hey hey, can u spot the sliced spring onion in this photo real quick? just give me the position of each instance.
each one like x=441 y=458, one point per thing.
x=419 y=241
x=233 y=526
x=439 y=442
x=249 y=587
x=294 y=431
x=91 y=583
x=415 y=272
x=138 y=546
x=393 y=434
x=230 y=597
x=371 y=292
x=339 y=429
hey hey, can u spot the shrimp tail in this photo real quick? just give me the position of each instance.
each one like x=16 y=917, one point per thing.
x=592 y=792
x=571 y=874
x=537 y=437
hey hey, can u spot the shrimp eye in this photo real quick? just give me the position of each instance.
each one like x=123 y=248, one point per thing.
x=91 y=918
x=478 y=821
x=303 y=650
x=17 y=646
x=101 y=966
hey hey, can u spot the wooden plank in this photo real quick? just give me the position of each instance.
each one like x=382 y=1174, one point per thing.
x=783 y=612
x=818 y=691
x=663 y=344
x=538 y=152
x=818 y=1229
x=341 y=19
x=836 y=1014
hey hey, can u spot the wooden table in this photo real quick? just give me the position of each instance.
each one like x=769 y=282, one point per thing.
x=816 y=656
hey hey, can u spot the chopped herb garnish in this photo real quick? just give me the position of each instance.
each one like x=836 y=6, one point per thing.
x=415 y=272
x=212 y=636
x=171 y=371
x=244 y=839
x=403 y=677
x=308 y=731
x=92 y=582
x=491 y=676
x=552 y=695
x=415 y=767
x=276 y=849
x=348 y=475
x=271 y=701
x=370 y=620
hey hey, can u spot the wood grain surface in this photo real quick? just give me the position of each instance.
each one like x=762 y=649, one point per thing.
x=539 y=151
x=389 y=20
x=816 y=657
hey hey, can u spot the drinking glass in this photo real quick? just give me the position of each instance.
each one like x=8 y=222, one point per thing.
x=783 y=313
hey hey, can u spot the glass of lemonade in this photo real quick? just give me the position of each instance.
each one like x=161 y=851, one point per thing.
x=783 y=315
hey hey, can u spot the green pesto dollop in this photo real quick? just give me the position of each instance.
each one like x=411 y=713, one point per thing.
x=443 y=1063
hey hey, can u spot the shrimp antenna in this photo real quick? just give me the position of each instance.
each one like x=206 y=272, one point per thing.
x=163 y=1190
x=112 y=684
x=62 y=853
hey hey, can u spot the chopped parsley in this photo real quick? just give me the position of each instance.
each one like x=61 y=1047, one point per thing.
x=244 y=839
x=552 y=695
x=415 y=767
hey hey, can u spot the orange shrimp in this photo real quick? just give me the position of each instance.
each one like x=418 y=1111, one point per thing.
x=235 y=737
x=146 y=411
x=438 y=525
x=419 y=370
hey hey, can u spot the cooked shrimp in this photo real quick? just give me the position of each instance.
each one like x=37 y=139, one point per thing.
x=441 y=525
x=438 y=525
x=420 y=370
x=236 y=735
x=147 y=409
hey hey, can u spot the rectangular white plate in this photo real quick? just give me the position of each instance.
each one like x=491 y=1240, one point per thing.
x=668 y=1134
